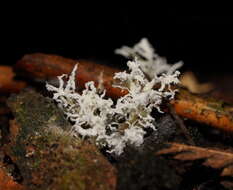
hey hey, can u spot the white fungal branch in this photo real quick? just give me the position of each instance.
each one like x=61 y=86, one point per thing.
x=116 y=125
x=150 y=62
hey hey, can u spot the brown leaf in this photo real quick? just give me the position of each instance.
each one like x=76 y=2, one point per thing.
x=189 y=80
x=217 y=159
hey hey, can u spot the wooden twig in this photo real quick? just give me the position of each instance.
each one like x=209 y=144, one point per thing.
x=186 y=104
x=45 y=67
x=216 y=159
x=203 y=109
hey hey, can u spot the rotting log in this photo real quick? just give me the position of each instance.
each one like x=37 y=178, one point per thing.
x=201 y=109
x=47 y=155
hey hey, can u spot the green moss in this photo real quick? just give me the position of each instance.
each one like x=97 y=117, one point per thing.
x=61 y=164
x=34 y=112
x=70 y=181
x=216 y=106
x=187 y=111
x=57 y=160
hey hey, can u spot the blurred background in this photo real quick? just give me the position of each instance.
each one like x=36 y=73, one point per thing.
x=204 y=43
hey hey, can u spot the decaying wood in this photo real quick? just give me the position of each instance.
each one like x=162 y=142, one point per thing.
x=7 y=82
x=6 y=180
x=186 y=104
x=7 y=183
x=46 y=154
x=45 y=67
x=216 y=159
x=203 y=109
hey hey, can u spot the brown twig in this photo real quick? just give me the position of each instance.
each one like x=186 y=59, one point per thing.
x=204 y=110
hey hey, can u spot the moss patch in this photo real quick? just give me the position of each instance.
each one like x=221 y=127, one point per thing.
x=47 y=155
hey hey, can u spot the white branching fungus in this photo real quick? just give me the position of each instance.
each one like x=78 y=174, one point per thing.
x=150 y=62
x=87 y=110
x=116 y=125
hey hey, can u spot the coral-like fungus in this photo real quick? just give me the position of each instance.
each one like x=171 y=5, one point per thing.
x=114 y=125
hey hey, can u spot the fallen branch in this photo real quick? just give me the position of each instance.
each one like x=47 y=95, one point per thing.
x=204 y=110
x=46 y=67
x=216 y=159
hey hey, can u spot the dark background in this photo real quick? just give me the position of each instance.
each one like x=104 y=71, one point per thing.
x=204 y=43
